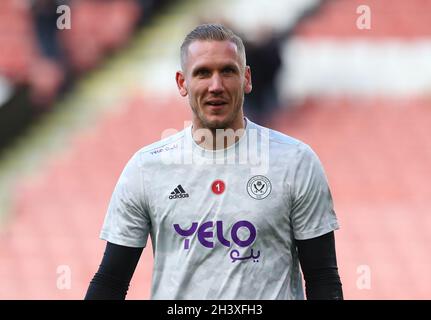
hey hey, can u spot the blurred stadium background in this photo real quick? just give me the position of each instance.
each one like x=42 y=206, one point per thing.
x=76 y=103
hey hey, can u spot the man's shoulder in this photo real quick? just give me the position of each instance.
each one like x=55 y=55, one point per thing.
x=282 y=141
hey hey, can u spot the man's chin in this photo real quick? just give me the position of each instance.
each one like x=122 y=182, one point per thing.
x=216 y=122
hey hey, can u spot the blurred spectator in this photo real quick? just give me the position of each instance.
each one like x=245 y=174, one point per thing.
x=45 y=22
x=48 y=73
x=264 y=59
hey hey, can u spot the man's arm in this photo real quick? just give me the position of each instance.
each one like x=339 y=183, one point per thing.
x=111 y=281
x=319 y=266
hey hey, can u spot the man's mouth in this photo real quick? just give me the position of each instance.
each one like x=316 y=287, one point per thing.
x=216 y=103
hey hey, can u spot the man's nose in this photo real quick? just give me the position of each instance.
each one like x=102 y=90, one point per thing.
x=216 y=85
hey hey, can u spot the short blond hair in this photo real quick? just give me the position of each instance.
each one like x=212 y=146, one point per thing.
x=211 y=32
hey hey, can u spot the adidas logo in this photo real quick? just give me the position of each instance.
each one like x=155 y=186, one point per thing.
x=178 y=193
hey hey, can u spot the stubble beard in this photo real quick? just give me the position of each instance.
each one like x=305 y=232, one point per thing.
x=223 y=124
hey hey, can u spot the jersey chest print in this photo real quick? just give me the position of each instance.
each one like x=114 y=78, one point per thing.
x=205 y=237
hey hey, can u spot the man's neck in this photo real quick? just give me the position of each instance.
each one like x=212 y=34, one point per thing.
x=216 y=139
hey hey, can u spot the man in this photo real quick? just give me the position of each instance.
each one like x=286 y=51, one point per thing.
x=222 y=225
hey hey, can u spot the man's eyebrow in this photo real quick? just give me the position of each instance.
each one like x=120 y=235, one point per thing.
x=230 y=65
x=223 y=67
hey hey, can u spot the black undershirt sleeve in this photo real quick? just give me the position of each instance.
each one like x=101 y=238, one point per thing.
x=319 y=266
x=112 y=279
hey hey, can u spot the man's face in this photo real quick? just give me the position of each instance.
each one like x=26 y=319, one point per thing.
x=215 y=80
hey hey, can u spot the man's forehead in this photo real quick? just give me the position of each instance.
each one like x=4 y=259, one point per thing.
x=201 y=46
x=199 y=50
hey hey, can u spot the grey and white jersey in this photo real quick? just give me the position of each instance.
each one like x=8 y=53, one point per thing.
x=222 y=223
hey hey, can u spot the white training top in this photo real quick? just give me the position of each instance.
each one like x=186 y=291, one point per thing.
x=222 y=223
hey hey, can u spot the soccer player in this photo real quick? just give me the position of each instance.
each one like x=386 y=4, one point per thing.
x=233 y=209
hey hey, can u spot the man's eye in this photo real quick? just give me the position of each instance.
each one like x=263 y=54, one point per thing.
x=202 y=73
x=228 y=70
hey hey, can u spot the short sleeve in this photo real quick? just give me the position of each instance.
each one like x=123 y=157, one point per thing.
x=312 y=212
x=127 y=220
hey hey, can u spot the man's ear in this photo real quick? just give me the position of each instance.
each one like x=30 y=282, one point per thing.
x=247 y=85
x=181 y=83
